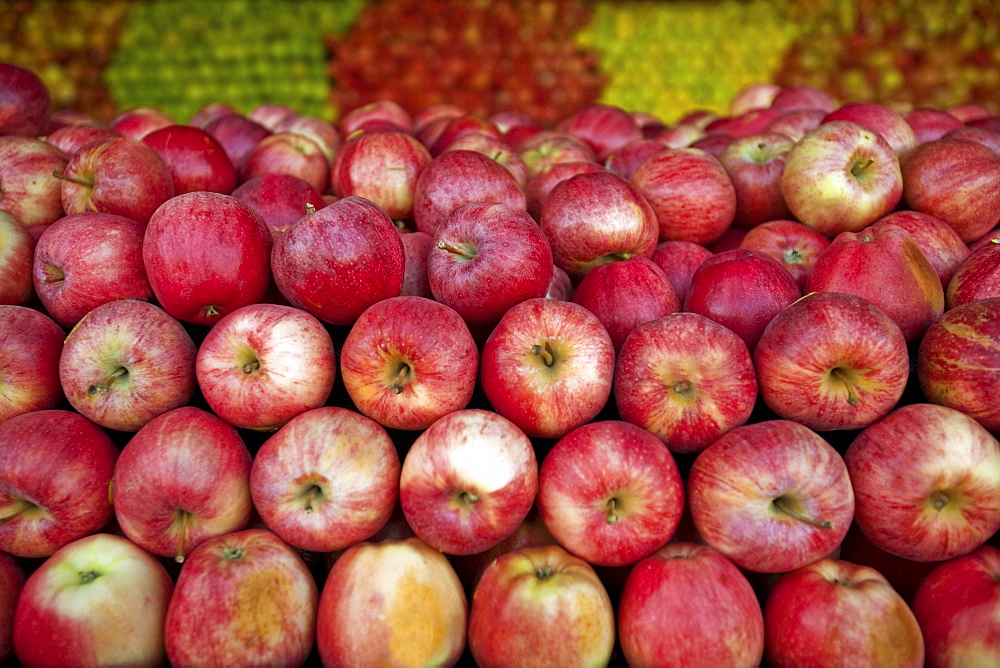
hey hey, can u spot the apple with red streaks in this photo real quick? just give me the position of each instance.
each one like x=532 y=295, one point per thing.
x=944 y=249
x=382 y=111
x=714 y=145
x=832 y=361
x=795 y=123
x=138 y=122
x=270 y=114
x=794 y=245
x=530 y=533
x=30 y=345
x=990 y=238
x=755 y=164
x=548 y=367
x=550 y=147
x=679 y=260
x=12 y=577
x=237 y=134
x=280 y=199
x=24 y=102
x=977 y=277
x=605 y=128
x=538 y=187
x=627 y=159
x=676 y=136
x=803 y=97
x=17 y=253
x=288 y=153
x=497 y=149
x=323 y=133
x=196 y=159
x=28 y=189
x=883 y=120
x=71 y=138
x=748 y=123
x=969 y=111
x=55 y=470
x=929 y=124
x=458 y=127
x=987 y=136
x=757 y=95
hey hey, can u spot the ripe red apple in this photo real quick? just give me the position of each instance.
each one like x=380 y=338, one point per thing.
x=545 y=149
x=183 y=478
x=944 y=249
x=883 y=120
x=382 y=111
x=196 y=159
x=605 y=128
x=416 y=248
x=610 y=493
x=958 y=361
x=748 y=123
x=841 y=177
x=627 y=159
x=679 y=260
x=122 y=176
x=803 y=97
x=977 y=277
x=237 y=134
x=288 y=153
x=244 y=598
x=538 y=187
x=541 y=605
x=687 y=605
x=681 y=135
x=323 y=133
x=560 y=285
x=772 y=496
x=280 y=199
x=924 y=482
x=87 y=259
x=206 y=255
x=497 y=149
x=270 y=114
x=794 y=245
x=340 y=260
x=989 y=136
x=832 y=361
x=459 y=127
x=755 y=164
x=795 y=123
x=326 y=480
x=71 y=138
x=137 y=122
x=929 y=124
x=757 y=95
x=210 y=112
x=12 y=577
x=406 y=597
x=100 y=600
x=689 y=190
x=28 y=189
x=714 y=145
x=835 y=613
x=55 y=469
x=24 y=102
x=17 y=252
x=686 y=379
x=263 y=364
x=30 y=346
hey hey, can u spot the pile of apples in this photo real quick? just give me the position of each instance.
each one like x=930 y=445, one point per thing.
x=430 y=388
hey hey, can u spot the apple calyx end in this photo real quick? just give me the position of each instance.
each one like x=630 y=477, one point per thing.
x=682 y=386
x=86 y=577
x=788 y=507
x=939 y=500
x=612 y=516
x=251 y=367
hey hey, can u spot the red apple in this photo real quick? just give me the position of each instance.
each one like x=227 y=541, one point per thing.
x=323 y=133
x=610 y=493
x=977 y=277
x=795 y=123
x=545 y=149
x=679 y=260
x=988 y=136
x=28 y=189
x=497 y=149
x=244 y=598
x=280 y=199
x=138 y=122
x=835 y=613
x=794 y=245
x=196 y=159
x=288 y=153
x=748 y=123
x=832 y=361
x=803 y=97
x=24 y=102
x=929 y=124
x=55 y=469
x=714 y=145
x=757 y=95
x=883 y=120
x=969 y=111
x=772 y=496
x=183 y=478
x=210 y=112
x=383 y=111
x=541 y=605
x=459 y=127
x=687 y=605
x=100 y=600
x=942 y=246
x=627 y=159
x=270 y=115
x=604 y=127
x=237 y=134
x=924 y=482
x=538 y=187
x=560 y=285
x=30 y=346
x=12 y=577
x=755 y=164
x=17 y=252
x=681 y=135
x=416 y=248
x=206 y=255
x=686 y=379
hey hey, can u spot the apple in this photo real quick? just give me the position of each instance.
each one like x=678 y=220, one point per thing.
x=942 y=246
x=594 y=218
x=794 y=245
x=627 y=159
x=61 y=117
x=270 y=114
x=756 y=95
x=560 y=285
x=408 y=361
x=137 y=122
x=989 y=136
x=714 y=145
x=196 y=159
x=206 y=255
x=416 y=248
x=676 y=136
x=977 y=277
x=30 y=346
x=237 y=134
x=929 y=124
x=755 y=164
x=686 y=379
x=773 y=496
x=87 y=259
x=288 y=153
x=881 y=119
x=406 y=597
x=468 y=481
x=71 y=138
x=507 y=119
x=126 y=362
x=605 y=128
x=244 y=598
x=958 y=361
x=748 y=123
x=841 y=177
x=548 y=367
x=323 y=133
x=832 y=361
x=496 y=148
x=803 y=97
x=459 y=127
x=924 y=482
x=795 y=123
x=545 y=149
x=538 y=187
x=210 y=112
x=688 y=605
x=730 y=240
x=280 y=199
x=835 y=613
x=28 y=190
x=610 y=493
x=183 y=478
x=100 y=600
x=55 y=470
x=263 y=364
x=24 y=102
x=955 y=606
x=340 y=260
x=381 y=111
x=485 y=258
x=12 y=577
x=679 y=260
x=17 y=252
x=544 y=606
x=992 y=237
x=326 y=480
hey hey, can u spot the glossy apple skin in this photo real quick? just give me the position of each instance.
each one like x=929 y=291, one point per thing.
x=627 y=159
x=886 y=266
x=271 y=115
x=380 y=111
x=55 y=469
x=689 y=605
x=978 y=277
x=196 y=159
x=841 y=177
x=753 y=96
x=679 y=260
x=263 y=364
x=737 y=485
x=24 y=102
x=548 y=400
x=942 y=246
x=87 y=259
x=691 y=193
x=244 y=598
x=17 y=252
x=956 y=605
x=893 y=127
x=958 y=361
x=71 y=138
x=404 y=594
x=925 y=482
x=610 y=493
x=803 y=97
x=127 y=362
x=340 y=260
x=794 y=245
x=604 y=127
x=595 y=218
x=30 y=345
x=138 y=122
x=326 y=480
x=408 y=361
x=237 y=134
x=748 y=123
x=416 y=248
x=835 y=613
x=28 y=189
x=458 y=128
x=288 y=153
x=497 y=149
x=280 y=199
x=538 y=187
x=323 y=133
x=545 y=149
x=754 y=164
x=210 y=112
x=485 y=258
x=929 y=124
x=100 y=600
x=12 y=577
x=182 y=479
x=686 y=379
x=795 y=123
x=832 y=361
x=541 y=605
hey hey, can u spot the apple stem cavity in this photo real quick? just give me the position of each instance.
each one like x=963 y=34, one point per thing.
x=14 y=510
x=310 y=497
x=786 y=505
x=401 y=379
x=53 y=274
x=86 y=577
x=861 y=166
x=74 y=179
x=841 y=375
x=939 y=500
x=612 y=516
x=545 y=352
x=251 y=367
x=103 y=386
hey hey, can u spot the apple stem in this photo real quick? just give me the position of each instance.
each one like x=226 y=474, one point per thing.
x=402 y=376
x=15 y=510
x=861 y=166
x=939 y=500
x=73 y=179
x=612 y=516
x=86 y=577
x=309 y=498
x=545 y=352
x=310 y=209
x=784 y=505
x=251 y=367
x=181 y=540
x=444 y=245
x=852 y=394
x=53 y=274
x=103 y=386
x=543 y=572
x=469 y=497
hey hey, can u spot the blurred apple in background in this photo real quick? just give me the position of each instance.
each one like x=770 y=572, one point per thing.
x=604 y=127
x=137 y=122
x=323 y=133
x=30 y=346
x=17 y=252
x=382 y=111
x=803 y=97
x=548 y=148
x=497 y=149
x=627 y=159
x=270 y=114
x=757 y=95
x=24 y=102
x=795 y=123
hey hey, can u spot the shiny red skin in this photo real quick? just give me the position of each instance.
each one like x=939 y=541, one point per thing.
x=280 y=199
x=604 y=127
x=288 y=153
x=30 y=345
x=795 y=123
x=460 y=127
x=17 y=253
x=679 y=260
x=893 y=127
x=416 y=248
x=28 y=189
x=138 y=122
x=978 y=277
x=754 y=164
x=794 y=245
x=539 y=186
x=24 y=102
x=750 y=122
x=237 y=134
x=930 y=124
x=196 y=159
x=627 y=159
x=944 y=249
x=71 y=138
